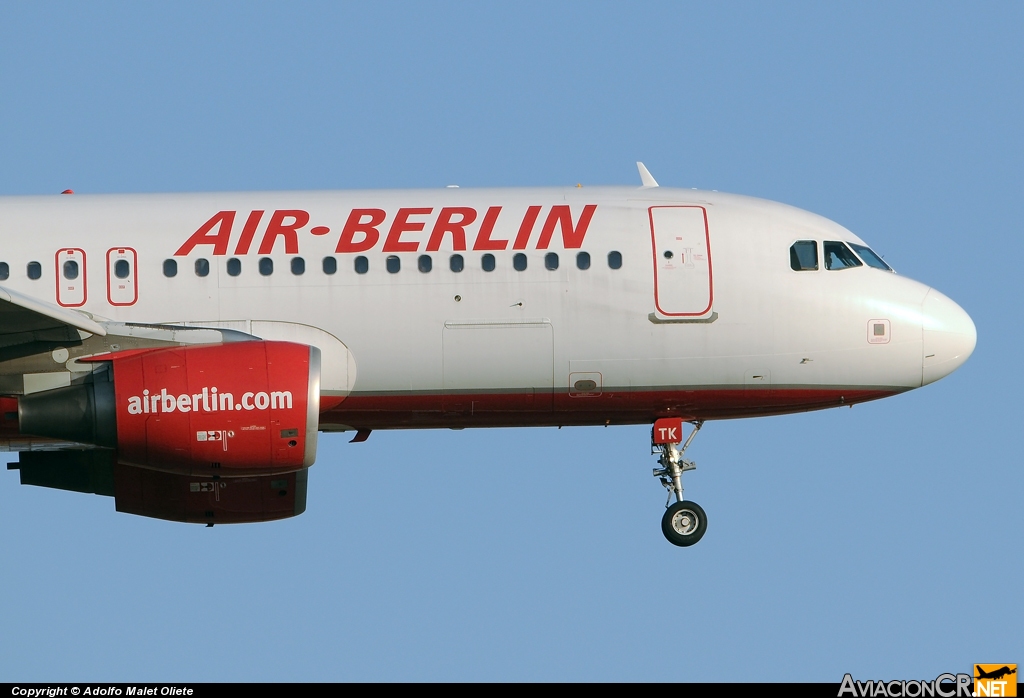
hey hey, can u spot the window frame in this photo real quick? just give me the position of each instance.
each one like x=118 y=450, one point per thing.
x=122 y=264
x=864 y=258
x=794 y=256
x=842 y=244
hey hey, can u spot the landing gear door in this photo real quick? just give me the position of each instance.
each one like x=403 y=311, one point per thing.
x=122 y=285
x=681 y=244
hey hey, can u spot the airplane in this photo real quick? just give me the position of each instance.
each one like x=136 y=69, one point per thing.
x=996 y=673
x=182 y=352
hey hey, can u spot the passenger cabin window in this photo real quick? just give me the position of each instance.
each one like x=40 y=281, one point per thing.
x=298 y=266
x=330 y=265
x=803 y=255
x=487 y=262
x=234 y=266
x=122 y=268
x=456 y=263
x=362 y=264
x=393 y=264
x=202 y=267
x=614 y=260
x=34 y=270
x=266 y=266
x=838 y=256
x=424 y=263
x=583 y=260
x=551 y=261
x=170 y=268
x=869 y=257
x=519 y=261
x=70 y=269
x=5 y=271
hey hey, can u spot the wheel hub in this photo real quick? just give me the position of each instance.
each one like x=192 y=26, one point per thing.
x=685 y=522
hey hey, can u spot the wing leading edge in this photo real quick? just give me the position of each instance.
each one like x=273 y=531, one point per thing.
x=24 y=315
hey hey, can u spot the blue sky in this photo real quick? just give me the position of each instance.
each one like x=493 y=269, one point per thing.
x=880 y=540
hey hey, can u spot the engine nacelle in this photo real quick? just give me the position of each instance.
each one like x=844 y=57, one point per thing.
x=227 y=409
x=193 y=499
x=170 y=496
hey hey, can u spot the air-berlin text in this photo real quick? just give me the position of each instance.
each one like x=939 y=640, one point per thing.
x=406 y=230
x=208 y=400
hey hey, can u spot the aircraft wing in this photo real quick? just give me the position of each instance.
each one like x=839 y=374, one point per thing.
x=25 y=319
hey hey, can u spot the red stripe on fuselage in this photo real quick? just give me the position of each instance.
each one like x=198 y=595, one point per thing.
x=512 y=409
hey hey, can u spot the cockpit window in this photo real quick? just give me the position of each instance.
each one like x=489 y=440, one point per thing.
x=838 y=256
x=803 y=255
x=869 y=257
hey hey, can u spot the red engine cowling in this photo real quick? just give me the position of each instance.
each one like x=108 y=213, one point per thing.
x=193 y=499
x=162 y=495
x=242 y=408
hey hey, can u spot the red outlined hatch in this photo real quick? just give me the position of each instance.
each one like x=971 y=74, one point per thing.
x=681 y=244
x=122 y=283
x=71 y=286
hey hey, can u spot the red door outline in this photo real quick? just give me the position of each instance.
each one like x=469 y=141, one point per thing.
x=122 y=253
x=62 y=282
x=654 y=251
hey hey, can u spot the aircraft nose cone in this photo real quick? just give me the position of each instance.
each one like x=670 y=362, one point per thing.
x=949 y=336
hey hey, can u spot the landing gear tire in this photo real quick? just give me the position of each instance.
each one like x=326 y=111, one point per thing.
x=684 y=523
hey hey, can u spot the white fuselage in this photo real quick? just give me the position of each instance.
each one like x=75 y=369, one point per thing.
x=725 y=327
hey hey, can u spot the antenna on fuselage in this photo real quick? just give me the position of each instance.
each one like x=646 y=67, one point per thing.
x=646 y=179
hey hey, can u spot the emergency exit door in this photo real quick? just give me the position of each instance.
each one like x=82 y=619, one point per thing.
x=71 y=286
x=682 y=261
x=122 y=285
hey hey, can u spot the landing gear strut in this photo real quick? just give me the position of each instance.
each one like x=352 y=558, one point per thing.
x=684 y=522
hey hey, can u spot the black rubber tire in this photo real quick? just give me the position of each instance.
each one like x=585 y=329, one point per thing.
x=681 y=534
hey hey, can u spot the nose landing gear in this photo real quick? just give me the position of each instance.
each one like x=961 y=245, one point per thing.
x=684 y=522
